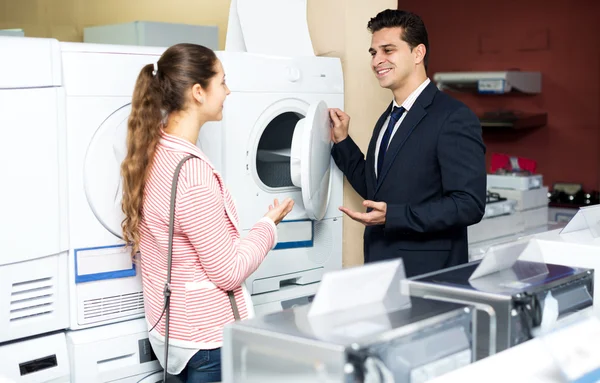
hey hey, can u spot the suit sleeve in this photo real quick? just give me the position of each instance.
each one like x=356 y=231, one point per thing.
x=351 y=161
x=461 y=157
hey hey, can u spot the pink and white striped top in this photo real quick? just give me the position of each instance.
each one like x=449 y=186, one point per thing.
x=209 y=258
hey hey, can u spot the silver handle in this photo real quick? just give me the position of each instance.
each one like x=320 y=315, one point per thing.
x=479 y=306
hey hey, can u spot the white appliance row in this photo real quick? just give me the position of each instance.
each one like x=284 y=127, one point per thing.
x=65 y=265
x=119 y=352
x=528 y=213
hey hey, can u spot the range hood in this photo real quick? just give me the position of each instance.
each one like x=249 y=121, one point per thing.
x=490 y=82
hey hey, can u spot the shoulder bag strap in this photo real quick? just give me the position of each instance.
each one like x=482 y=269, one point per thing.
x=167 y=290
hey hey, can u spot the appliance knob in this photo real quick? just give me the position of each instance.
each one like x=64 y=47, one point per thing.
x=293 y=74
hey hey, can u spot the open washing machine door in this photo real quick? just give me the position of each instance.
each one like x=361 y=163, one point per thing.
x=310 y=159
x=102 y=175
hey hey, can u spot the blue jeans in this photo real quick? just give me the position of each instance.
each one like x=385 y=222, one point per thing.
x=204 y=367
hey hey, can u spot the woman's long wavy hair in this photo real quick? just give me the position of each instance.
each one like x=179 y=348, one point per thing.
x=159 y=91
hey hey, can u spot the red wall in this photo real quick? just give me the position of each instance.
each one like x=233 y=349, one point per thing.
x=558 y=38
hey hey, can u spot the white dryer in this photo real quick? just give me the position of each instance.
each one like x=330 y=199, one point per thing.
x=36 y=360
x=99 y=80
x=117 y=352
x=33 y=203
x=274 y=142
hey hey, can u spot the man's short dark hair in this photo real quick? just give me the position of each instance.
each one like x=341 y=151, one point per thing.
x=414 y=31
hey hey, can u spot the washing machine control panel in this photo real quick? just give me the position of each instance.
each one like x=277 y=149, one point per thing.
x=261 y=73
x=293 y=73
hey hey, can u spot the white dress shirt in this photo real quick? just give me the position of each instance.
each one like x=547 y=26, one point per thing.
x=407 y=104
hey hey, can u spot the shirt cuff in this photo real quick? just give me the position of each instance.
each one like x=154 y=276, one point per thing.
x=272 y=223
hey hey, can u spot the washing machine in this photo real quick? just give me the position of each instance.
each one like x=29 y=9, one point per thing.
x=36 y=360
x=33 y=202
x=117 y=352
x=274 y=142
x=105 y=285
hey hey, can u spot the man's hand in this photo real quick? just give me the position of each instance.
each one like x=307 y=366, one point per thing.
x=339 y=125
x=372 y=218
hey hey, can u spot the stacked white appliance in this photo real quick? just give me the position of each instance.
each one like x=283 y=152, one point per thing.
x=107 y=339
x=274 y=142
x=69 y=279
x=34 y=297
x=528 y=198
x=70 y=283
x=105 y=285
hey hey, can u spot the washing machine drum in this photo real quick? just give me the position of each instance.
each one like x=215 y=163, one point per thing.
x=101 y=170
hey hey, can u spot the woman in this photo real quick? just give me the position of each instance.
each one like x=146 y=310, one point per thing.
x=171 y=101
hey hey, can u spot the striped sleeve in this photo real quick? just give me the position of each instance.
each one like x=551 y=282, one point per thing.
x=227 y=262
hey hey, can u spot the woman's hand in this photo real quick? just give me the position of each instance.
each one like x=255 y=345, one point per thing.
x=278 y=211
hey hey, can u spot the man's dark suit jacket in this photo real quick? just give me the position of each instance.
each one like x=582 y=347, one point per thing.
x=433 y=181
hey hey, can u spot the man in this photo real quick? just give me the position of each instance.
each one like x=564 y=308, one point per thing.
x=424 y=178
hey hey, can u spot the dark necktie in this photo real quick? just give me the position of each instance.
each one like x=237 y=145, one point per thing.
x=394 y=117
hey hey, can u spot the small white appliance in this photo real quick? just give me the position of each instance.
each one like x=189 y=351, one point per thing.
x=152 y=34
x=516 y=182
x=36 y=360
x=105 y=286
x=118 y=352
x=498 y=207
x=34 y=295
x=496 y=227
x=491 y=82
x=16 y=32
x=526 y=199
x=285 y=298
x=274 y=142
x=528 y=211
x=532 y=204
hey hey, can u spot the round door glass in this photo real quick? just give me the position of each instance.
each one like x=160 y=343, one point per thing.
x=273 y=152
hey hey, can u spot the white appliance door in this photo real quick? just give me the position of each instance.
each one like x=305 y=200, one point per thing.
x=102 y=174
x=31 y=202
x=310 y=160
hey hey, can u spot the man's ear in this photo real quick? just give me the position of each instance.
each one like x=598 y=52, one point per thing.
x=419 y=52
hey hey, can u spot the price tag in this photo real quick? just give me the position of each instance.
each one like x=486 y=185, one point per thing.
x=592 y=218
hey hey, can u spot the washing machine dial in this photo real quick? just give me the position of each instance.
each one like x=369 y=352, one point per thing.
x=293 y=74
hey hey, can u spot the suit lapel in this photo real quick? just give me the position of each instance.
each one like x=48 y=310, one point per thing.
x=406 y=128
x=373 y=143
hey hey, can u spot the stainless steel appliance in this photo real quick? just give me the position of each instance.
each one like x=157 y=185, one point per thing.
x=512 y=301
x=412 y=344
